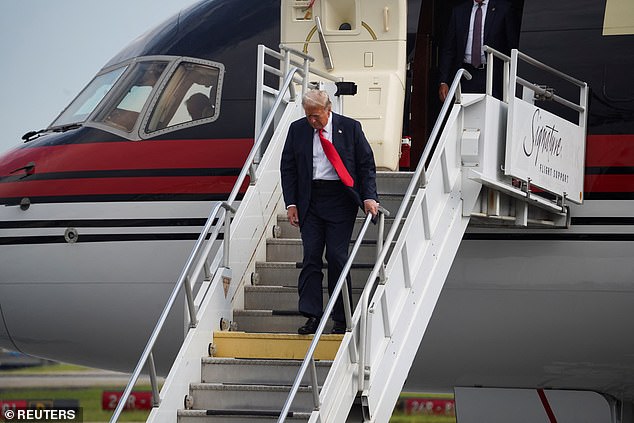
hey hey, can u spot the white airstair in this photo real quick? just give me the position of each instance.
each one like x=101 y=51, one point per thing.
x=243 y=320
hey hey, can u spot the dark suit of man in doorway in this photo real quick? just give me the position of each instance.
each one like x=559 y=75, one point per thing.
x=322 y=197
x=499 y=30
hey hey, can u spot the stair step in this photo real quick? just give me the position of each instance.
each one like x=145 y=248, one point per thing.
x=273 y=345
x=291 y=250
x=285 y=273
x=268 y=321
x=251 y=397
x=392 y=182
x=236 y=416
x=271 y=321
x=280 y=298
x=288 y=231
x=257 y=371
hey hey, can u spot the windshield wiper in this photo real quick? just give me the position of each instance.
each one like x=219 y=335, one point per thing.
x=31 y=135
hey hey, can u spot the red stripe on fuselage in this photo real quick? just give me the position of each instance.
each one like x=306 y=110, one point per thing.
x=603 y=151
x=69 y=161
x=111 y=186
x=610 y=151
x=609 y=183
x=147 y=154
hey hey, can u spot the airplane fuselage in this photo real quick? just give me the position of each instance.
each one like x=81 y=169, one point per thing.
x=100 y=216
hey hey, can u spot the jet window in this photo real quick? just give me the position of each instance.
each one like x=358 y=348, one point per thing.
x=126 y=104
x=89 y=98
x=190 y=95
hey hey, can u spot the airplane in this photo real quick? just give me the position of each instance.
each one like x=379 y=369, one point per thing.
x=102 y=207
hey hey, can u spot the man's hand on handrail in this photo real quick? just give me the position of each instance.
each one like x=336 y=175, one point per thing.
x=371 y=206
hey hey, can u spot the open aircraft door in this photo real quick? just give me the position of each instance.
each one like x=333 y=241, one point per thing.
x=362 y=41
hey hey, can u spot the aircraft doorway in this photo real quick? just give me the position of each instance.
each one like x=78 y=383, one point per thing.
x=424 y=104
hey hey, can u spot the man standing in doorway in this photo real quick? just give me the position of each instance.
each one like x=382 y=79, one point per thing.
x=473 y=24
x=327 y=171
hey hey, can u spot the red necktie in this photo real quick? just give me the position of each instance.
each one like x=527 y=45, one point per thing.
x=335 y=160
x=476 y=46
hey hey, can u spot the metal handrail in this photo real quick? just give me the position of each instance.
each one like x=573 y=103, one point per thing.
x=198 y=257
x=341 y=283
x=491 y=52
x=556 y=72
x=536 y=88
x=420 y=172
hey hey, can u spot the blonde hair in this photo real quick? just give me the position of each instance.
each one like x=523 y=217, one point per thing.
x=316 y=98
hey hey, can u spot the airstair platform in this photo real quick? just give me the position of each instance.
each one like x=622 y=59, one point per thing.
x=484 y=162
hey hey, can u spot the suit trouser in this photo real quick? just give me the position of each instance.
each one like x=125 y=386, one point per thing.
x=328 y=222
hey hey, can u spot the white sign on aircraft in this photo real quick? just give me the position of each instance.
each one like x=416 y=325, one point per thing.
x=545 y=148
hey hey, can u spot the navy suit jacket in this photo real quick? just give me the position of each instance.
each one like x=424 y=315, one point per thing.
x=501 y=32
x=296 y=165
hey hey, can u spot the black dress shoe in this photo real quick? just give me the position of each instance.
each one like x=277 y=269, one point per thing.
x=339 y=328
x=309 y=327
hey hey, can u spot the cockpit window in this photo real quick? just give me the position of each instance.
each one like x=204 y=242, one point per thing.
x=89 y=98
x=190 y=95
x=127 y=101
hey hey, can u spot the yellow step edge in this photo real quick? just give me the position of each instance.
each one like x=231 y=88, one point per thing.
x=273 y=345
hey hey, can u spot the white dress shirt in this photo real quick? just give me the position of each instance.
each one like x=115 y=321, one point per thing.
x=467 y=53
x=322 y=168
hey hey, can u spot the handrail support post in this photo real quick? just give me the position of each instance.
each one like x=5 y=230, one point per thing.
x=305 y=77
x=207 y=269
x=193 y=320
x=314 y=383
x=227 y=240
x=156 y=397
x=380 y=246
x=347 y=308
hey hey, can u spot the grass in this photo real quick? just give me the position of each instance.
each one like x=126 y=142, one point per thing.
x=51 y=368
